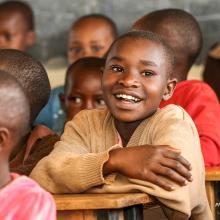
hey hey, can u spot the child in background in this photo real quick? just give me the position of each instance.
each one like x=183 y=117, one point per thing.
x=33 y=78
x=182 y=32
x=82 y=89
x=16 y=25
x=20 y=197
x=90 y=35
x=133 y=146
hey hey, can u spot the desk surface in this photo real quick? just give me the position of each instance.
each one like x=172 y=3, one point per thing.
x=212 y=173
x=99 y=201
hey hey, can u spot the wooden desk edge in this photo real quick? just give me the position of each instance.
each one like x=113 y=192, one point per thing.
x=99 y=201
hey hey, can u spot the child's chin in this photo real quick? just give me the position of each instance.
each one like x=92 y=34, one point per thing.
x=126 y=118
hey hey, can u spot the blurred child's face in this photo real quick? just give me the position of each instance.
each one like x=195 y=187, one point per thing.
x=14 y=33
x=84 y=91
x=91 y=37
x=135 y=79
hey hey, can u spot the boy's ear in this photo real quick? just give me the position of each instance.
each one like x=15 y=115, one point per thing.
x=62 y=100
x=31 y=38
x=171 y=84
x=4 y=138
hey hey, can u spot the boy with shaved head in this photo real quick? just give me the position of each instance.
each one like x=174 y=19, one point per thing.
x=20 y=197
x=33 y=78
x=182 y=32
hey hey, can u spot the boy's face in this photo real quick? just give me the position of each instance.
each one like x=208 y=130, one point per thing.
x=84 y=91
x=135 y=79
x=91 y=37
x=14 y=33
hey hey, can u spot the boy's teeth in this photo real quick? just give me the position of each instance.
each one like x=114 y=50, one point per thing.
x=127 y=97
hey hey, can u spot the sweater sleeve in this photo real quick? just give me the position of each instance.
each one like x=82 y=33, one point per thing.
x=74 y=166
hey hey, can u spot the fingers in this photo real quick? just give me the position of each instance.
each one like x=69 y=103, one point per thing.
x=177 y=167
x=172 y=175
x=157 y=180
x=177 y=157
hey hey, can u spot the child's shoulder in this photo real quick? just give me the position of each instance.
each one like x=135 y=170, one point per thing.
x=172 y=116
x=92 y=115
x=172 y=111
x=23 y=185
x=23 y=193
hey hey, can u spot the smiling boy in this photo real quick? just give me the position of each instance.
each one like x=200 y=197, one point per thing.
x=133 y=146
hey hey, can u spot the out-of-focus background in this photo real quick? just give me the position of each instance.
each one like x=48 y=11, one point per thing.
x=54 y=17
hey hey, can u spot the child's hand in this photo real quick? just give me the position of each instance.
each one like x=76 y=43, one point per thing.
x=149 y=163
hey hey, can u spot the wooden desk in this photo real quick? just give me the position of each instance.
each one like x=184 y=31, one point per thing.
x=101 y=206
x=212 y=175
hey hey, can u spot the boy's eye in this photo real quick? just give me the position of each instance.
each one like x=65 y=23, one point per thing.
x=96 y=48
x=117 y=69
x=75 y=49
x=75 y=99
x=100 y=101
x=147 y=73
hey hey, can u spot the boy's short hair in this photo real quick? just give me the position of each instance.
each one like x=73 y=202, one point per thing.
x=23 y=8
x=97 y=16
x=88 y=63
x=168 y=52
x=14 y=107
x=31 y=75
x=182 y=30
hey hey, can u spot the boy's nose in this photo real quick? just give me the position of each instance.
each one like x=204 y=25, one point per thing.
x=89 y=104
x=87 y=53
x=129 y=80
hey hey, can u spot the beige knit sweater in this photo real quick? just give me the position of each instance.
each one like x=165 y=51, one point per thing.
x=75 y=165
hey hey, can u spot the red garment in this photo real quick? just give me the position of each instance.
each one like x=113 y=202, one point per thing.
x=202 y=104
x=24 y=199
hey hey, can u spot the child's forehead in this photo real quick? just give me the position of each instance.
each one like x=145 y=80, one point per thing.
x=88 y=22
x=15 y=16
x=79 y=78
x=81 y=73
x=134 y=44
x=140 y=51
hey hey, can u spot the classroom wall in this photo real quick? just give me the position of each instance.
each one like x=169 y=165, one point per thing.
x=54 y=17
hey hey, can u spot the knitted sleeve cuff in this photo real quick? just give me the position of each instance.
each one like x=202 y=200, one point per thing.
x=93 y=165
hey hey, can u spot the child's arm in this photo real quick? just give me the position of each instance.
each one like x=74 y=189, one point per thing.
x=147 y=162
x=80 y=155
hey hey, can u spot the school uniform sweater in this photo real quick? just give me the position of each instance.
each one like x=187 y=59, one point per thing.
x=75 y=165
x=201 y=103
